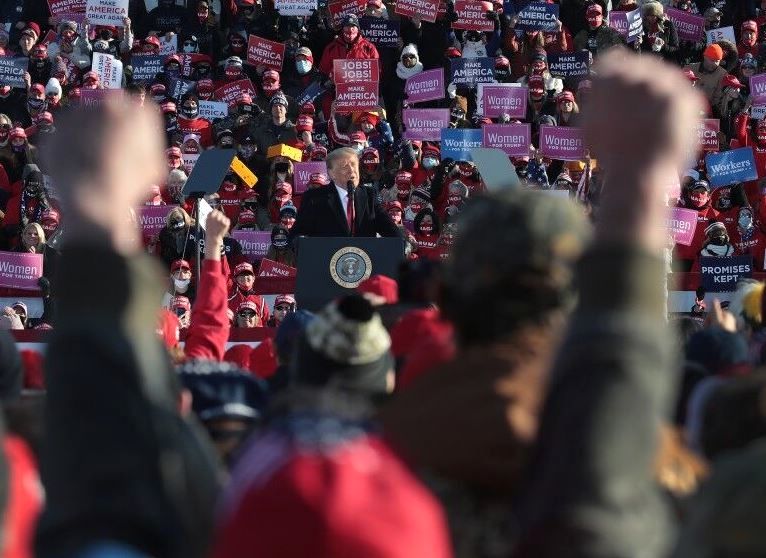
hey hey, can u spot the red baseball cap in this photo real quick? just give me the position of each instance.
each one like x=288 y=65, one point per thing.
x=244 y=267
x=179 y=264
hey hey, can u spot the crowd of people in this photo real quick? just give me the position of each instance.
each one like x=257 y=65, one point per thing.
x=515 y=389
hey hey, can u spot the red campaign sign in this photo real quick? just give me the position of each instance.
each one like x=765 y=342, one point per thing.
x=426 y=10
x=707 y=132
x=20 y=270
x=471 y=16
x=355 y=71
x=341 y=8
x=270 y=268
x=231 y=91
x=350 y=97
x=50 y=36
x=261 y=51
x=187 y=61
x=60 y=7
x=152 y=217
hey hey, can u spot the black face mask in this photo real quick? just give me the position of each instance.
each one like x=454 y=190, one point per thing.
x=105 y=35
x=472 y=36
x=190 y=112
x=32 y=188
x=281 y=167
x=719 y=240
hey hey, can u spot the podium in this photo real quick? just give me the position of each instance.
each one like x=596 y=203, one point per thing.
x=334 y=266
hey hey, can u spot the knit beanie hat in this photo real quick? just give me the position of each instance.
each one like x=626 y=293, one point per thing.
x=345 y=347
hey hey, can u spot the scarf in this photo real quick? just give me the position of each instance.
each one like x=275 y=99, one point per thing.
x=42 y=204
x=403 y=72
x=718 y=251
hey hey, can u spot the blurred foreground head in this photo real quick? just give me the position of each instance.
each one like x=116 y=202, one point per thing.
x=512 y=264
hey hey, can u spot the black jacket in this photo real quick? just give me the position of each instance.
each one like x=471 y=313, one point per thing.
x=321 y=214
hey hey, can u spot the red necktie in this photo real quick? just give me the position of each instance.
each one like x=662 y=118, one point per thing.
x=350 y=211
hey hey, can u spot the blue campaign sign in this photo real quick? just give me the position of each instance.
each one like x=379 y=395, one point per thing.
x=457 y=143
x=311 y=92
x=569 y=65
x=12 y=71
x=470 y=71
x=721 y=275
x=146 y=67
x=728 y=167
x=538 y=16
x=383 y=33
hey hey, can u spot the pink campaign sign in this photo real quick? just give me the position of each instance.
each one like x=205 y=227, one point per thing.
x=758 y=89
x=690 y=27
x=425 y=124
x=682 y=224
x=512 y=139
x=255 y=244
x=20 y=270
x=501 y=99
x=425 y=86
x=562 y=143
x=152 y=217
x=303 y=172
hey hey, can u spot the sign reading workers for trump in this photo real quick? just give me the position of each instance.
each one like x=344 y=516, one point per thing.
x=426 y=10
x=722 y=274
x=425 y=86
x=457 y=143
x=538 y=16
x=728 y=167
x=682 y=223
x=20 y=270
x=512 y=139
x=566 y=144
x=261 y=51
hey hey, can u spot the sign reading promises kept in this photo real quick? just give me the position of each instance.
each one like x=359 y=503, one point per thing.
x=722 y=274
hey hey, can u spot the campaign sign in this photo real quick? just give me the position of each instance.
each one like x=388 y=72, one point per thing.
x=425 y=124
x=728 y=167
x=20 y=270
x=627 y=24
x=690 y=27
x=12 y=71
x=109 y=70
x=707 y=132
x=425 y=86
x=562 y=143
x=383 y=33
x=146 y=67
x=341 y=8
x=261 y=51
x=512 y=139
x=295 y=7
x=303 y=172
x=470 y=71
x=720 y=275
x=314 y=90
x=758 y=112
x=189 y=160
x=152 y=217
x=350 y=97
x=94 y=97
x=177 y=87
x=106 y=12
x=187 y=61
x=498 y=100
x=472 y=16
x=61 y=7
x=569 y=65
x=270 y=268
x=682 y=223
x=426 y=10
x=255 y=244
x=457 y=143
x=355 y=71
x=758 y=89
x=538 y=16
x=231 y=91
x=721 y=34
x=168 y=45
x=213 y=110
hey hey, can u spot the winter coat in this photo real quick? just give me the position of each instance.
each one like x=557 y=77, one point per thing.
x=209 y=327
x=599 y=40
x=360 y=49
x=709 y=82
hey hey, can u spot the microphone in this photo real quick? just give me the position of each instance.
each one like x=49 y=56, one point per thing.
x=350 y=188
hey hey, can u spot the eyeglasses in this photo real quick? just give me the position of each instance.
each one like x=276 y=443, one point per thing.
x=412 y=56
x=282 y=308
x=246 y=314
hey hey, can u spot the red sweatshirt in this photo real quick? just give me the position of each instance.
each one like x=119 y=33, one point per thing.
x=209 y=328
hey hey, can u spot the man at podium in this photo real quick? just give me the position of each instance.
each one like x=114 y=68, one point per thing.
x=342 y=208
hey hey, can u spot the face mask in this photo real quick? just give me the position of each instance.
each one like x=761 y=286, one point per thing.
x=5 y=90
x=350 y=34
x=4 y=133
x=181 y=285
x=232 y=72
x=190 y=112
x=699 y=199
x=282 y=176
x=429 y=162
x=719 y=241
x=426 y=228
x=303 y=66
x=745 y=222
x=36 y=104
x=595 y=21
x=189 y=48
x=280 y=241
x=246 y=151
x=369 y=167
x=105 y=35
x=18 y=148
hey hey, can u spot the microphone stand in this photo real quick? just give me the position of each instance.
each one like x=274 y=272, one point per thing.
x=351 y=190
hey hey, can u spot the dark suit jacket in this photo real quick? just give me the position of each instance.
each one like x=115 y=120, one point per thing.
x=321 y=214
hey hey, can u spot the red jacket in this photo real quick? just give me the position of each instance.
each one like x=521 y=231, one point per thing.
x=743 y=136
x=209 y=328
x=199 y=126
x=237 y=297
x=361 y=49
x=754 y=246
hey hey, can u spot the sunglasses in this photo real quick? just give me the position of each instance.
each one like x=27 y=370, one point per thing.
x=412 y=56
x=282 y=308
x=246 y=314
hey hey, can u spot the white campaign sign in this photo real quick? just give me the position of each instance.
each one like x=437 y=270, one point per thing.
x=106 y=12
x=211 y=110
x=721 y=34
x=295 y=7
x=109 y=70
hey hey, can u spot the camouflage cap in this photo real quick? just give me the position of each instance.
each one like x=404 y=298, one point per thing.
x=517 y=249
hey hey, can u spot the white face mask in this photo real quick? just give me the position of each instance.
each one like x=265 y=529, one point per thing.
x=181 y=285
x=303 y=66
x=189 y=48
x=282 y=176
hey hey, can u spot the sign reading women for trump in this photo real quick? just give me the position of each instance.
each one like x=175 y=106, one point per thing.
x=303 y=172
x=566 y=144
x=152 y=217
x=728 y=167
x=499 y=99
x=20 y=270
x=682 y=223
x=513 y=139
x=758 y=89
x=690 y=27
x=425 y=86
x=457 y=143
x=627 y=24
x=255 y=244
x=425 y=124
